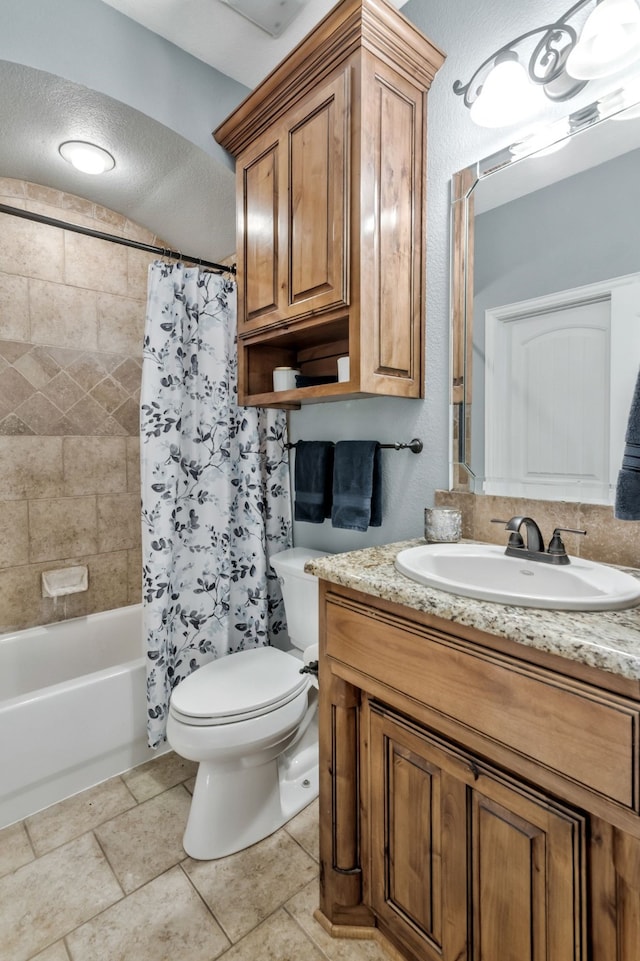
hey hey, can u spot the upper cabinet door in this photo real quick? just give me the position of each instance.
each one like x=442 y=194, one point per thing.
x=293 y=201
x=259 y=233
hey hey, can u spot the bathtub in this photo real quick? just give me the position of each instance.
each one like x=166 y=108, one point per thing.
x=72 y=708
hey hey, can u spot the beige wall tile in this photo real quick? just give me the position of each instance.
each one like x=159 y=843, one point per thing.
x=94 y=465
x=118 y=522
x=21 y=601
x=120 y=324
x=63 y=316
x=107 y=585
x=44 y=195
x=31 y=467
x=12 y=188
x=138 y=262
x=94 y=264
x=14 y=307
x=62 y=527
x=30 y=249
x=133 y=464
x=607 y=539
x=14 y=534
x=134 y=568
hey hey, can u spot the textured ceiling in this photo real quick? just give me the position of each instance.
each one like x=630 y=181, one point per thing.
x=161 y=180
x=218 y=35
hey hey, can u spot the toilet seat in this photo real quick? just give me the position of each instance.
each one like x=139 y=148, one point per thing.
x=238 y=687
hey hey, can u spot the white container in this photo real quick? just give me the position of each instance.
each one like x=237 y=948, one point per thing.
x=343 y=369
x=284 y=378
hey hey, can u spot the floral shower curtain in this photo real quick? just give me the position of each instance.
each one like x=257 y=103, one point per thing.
x=215 y=488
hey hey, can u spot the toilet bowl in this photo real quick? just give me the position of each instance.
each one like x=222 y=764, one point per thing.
x=249 y=720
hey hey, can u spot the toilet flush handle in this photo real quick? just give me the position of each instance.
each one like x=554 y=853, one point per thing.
x=310 y=668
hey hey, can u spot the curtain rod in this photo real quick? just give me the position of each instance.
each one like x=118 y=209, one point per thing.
x=99 y=235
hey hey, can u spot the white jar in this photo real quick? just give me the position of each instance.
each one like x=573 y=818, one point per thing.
x=284 y=378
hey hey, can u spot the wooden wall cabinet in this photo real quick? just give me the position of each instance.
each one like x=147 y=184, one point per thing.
x=447 y=829
x=331 y=193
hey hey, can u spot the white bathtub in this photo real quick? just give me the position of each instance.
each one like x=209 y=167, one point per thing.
x=72 y=708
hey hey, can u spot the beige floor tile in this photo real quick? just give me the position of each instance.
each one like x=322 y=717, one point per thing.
x=47 y=898
x=301 y=908
x=154 y=777
x=78 y=814
x=277 y=939
x=163 y=921
x=243 y=889
x=57 y=952
x=304 y=829
x=15 y=849
x=147 y=840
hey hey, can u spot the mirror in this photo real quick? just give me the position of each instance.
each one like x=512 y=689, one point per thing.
x=546 y=309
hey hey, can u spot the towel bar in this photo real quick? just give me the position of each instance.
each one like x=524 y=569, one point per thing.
x=415 y=446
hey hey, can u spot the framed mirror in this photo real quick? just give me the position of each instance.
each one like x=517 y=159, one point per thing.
x=545 y=332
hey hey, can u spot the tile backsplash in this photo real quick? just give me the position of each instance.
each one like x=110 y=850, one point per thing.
x=608 y=540
x=72 y=313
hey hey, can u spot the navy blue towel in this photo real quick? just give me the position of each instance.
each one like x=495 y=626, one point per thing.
x=312 y=480
x=627 y=505
x=357 y=487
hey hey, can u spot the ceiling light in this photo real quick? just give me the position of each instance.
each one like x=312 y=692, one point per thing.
x=87 y=157
x=610 y=40
x=272 y=16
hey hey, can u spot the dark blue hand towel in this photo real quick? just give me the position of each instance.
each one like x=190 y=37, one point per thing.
x=357 y=487
x=627 y=505
x=312 y=480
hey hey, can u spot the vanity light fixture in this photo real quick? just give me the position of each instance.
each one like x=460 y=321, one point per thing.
x=87 y=157
x=554 y=60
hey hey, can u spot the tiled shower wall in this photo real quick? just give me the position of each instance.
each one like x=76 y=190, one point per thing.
x=71 y=326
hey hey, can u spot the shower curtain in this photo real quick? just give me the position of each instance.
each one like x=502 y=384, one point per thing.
x=215 y=488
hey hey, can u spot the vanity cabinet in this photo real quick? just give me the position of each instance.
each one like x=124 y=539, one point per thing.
x=330 y=196
x=478 y=801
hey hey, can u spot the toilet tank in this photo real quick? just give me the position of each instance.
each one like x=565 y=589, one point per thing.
x=300 y=594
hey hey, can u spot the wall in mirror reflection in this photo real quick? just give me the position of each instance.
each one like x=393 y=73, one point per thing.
x=577 y=232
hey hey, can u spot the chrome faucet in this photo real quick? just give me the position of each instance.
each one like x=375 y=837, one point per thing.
x=534 y=549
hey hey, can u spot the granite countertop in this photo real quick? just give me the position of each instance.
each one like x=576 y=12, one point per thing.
x=609 y=640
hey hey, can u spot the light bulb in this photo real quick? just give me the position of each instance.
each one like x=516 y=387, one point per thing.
x=507 y=96
x=87 y=157
x=610 y=41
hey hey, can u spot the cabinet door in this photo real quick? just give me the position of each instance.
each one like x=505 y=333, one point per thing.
x=467 y=865
x=317 y=137
x=293 y=201
x=260 y=241
x=418 y=825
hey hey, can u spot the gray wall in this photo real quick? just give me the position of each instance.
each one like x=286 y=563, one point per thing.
x=467 y=33
x=88 y=42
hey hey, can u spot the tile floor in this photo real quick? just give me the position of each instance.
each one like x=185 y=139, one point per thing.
x=102 y=876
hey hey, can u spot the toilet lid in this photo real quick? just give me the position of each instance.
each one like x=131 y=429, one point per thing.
x=245 y=684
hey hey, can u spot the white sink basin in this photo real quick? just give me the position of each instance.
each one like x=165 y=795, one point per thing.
x=484 y=571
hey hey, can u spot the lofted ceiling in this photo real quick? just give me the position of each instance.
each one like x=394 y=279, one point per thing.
x=162 y=180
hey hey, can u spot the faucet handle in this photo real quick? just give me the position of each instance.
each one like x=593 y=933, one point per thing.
x=515 y=539
x=556 y=545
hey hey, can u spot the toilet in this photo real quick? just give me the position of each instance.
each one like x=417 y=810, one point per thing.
x=250 y=721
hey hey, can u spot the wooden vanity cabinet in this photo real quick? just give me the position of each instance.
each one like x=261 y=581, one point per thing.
x=452 y=836
x=330 y=196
